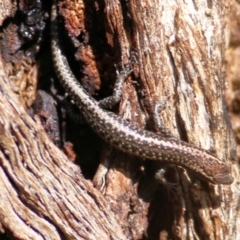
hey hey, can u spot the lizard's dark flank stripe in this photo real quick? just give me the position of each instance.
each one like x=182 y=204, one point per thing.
x=126 y=137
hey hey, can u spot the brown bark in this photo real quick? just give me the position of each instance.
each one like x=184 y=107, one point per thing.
x=178 y=50
x=43 y=195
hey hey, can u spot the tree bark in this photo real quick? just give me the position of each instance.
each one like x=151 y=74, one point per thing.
x=177 y=50
x=43 y=194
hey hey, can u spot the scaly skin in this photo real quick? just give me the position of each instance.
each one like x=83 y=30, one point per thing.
x=126 y=137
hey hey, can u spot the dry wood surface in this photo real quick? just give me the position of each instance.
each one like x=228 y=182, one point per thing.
x=178 y=50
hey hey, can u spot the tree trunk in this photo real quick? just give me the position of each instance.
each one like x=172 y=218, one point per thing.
x=177 y=50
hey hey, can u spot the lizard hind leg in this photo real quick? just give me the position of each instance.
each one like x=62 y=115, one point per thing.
x=158 y=121
x=109 y=102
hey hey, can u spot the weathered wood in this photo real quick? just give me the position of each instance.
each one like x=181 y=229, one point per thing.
x=43 y=195
x=178 y=51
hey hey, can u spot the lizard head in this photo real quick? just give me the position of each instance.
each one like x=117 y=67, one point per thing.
x=216 y=170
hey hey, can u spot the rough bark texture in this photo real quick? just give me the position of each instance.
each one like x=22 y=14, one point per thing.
x=177 y=49
x=43 y=195
x=232 y=95
x=180 y=52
